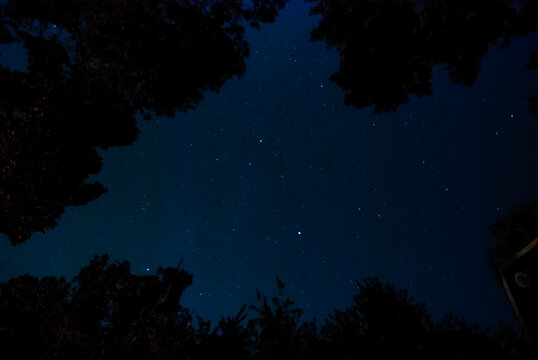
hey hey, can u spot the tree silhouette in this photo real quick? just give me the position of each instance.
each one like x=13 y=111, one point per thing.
x=385 y=323
x=382 y=321
x=106 y=312
x=453 y=338
x=230 y=339
x=388 y=47
x=278 y=332
x=92 y=66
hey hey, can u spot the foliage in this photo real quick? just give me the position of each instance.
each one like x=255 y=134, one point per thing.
x=106 y=312
x=92 y=66
x=278 y=333
x=388 y=47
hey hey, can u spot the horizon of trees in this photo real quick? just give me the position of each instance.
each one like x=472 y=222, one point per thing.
x=106 y=312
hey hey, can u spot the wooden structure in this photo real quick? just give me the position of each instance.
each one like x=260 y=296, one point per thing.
x=520 y=280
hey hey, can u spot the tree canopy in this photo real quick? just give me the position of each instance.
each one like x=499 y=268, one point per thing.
x=388 y=47
x=104 y=310
x=107 y=312
x=92 y=66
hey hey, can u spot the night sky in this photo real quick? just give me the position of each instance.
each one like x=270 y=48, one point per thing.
x=274 y=175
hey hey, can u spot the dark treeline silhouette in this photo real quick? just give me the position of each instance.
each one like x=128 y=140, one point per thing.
x=106 y=312
x=92 y=66
x=389 y=47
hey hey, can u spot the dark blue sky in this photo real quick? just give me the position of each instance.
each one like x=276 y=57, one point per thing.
x=274 y=175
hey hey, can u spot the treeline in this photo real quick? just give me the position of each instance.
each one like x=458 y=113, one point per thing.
x=107 y=312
